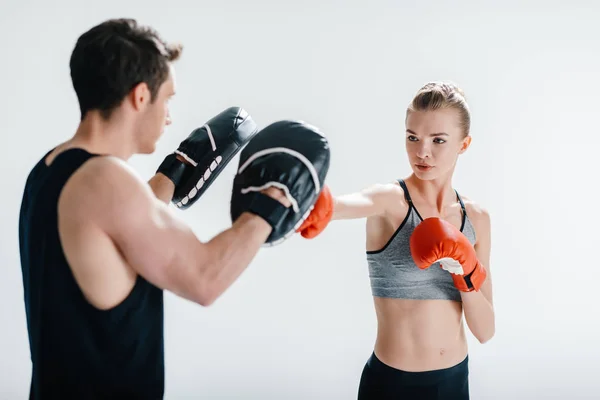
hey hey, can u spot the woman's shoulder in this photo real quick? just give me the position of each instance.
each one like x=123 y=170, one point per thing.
x=477 y=213
x=389 y=197
x=386 y=190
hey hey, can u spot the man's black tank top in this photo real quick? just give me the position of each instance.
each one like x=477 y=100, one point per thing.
x=79 y=351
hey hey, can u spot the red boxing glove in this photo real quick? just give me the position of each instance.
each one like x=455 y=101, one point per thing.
x=319 y=217
x=437 y=240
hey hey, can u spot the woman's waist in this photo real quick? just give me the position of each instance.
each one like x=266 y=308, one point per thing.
x=420 y=335
x=428 y=376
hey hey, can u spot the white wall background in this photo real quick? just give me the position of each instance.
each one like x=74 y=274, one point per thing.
x=299 y=323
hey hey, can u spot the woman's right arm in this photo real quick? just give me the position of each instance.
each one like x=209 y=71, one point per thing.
x=372 y=201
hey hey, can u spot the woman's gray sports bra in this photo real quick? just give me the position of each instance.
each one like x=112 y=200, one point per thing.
x=393 y=273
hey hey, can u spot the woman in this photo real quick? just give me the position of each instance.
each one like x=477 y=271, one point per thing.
x=421 y=348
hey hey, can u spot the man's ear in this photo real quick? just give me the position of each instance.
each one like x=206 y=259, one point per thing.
x=466 y=142
x=140 y=96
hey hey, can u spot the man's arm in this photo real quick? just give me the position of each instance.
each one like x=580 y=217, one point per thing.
x=162 y=187
x=155 y=244
x=479 y=306
x=371 y=201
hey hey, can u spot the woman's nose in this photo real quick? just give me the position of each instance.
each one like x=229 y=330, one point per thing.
x=424 y=151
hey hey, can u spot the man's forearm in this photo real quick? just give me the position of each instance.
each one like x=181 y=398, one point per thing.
x=162 y=187
x=231 y=252
x=479 y=315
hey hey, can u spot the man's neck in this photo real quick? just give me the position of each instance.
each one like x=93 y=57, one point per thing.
x=98 y=136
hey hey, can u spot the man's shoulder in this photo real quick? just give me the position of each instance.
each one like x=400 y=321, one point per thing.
x=39 y=165
x=99 y=184
x=104 y=170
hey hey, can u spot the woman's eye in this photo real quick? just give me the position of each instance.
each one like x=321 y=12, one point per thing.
x=412 y=138
x=439 y=141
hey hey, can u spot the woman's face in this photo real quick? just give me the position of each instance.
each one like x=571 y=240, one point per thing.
x=434 y=139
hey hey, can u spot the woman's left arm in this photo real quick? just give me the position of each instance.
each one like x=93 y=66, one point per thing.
x=478 y=307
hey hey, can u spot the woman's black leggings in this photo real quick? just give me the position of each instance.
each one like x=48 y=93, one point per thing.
x=380 y=381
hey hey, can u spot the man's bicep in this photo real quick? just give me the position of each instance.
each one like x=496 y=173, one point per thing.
x=161 y=248
x=151 y=240
x=141 y=233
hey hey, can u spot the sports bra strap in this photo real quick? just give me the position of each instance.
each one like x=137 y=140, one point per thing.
x=405 y=189
x=409 y=200
x=462 y=205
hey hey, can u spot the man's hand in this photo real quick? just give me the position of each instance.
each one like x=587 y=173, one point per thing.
x=290 y=156
x=203 y=155
x=278 y=195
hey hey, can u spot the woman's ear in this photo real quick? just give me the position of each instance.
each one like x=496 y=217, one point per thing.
x=466 y=142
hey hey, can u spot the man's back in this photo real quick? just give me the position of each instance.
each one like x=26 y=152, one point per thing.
x=79 y=350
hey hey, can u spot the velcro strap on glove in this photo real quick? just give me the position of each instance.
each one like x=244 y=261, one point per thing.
x=471 y=282
x=267 y=208
x=173 y=169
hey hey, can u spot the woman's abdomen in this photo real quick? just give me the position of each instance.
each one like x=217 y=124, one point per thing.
x=419 y=335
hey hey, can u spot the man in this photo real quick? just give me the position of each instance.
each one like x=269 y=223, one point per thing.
x=99 y=245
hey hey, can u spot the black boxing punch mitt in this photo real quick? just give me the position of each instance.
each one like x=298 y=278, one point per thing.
x=292 y=156
x=207 y=151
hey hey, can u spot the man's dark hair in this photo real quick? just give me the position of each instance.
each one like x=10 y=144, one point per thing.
x=111 y=58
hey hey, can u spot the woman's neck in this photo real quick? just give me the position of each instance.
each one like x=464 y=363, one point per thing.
x=436 y=193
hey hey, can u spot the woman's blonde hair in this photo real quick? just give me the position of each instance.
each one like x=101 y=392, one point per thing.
x=439 y=95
